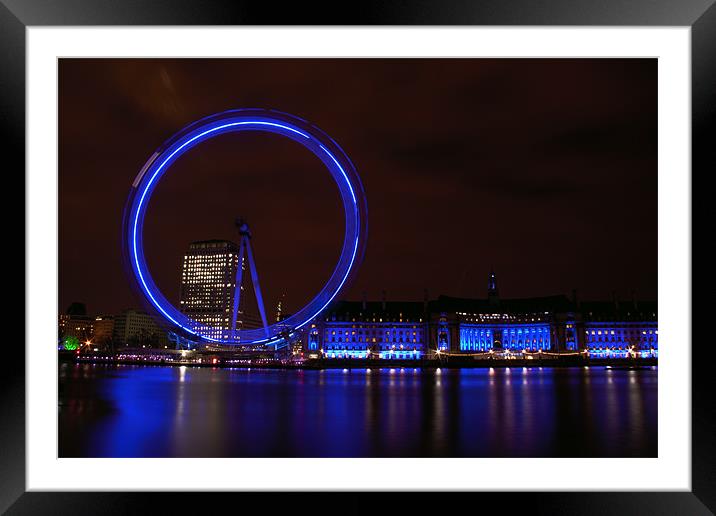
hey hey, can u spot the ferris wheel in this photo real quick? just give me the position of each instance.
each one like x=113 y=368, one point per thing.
x=159 y=164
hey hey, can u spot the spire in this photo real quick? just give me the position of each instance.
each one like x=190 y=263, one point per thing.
x=493 y=294
x=280 y=307
x=491 y=282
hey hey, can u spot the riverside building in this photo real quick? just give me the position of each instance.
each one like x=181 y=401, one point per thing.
x=208 y=281
x=460 y=326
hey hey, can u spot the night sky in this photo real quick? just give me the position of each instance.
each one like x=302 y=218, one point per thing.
x=545 y=170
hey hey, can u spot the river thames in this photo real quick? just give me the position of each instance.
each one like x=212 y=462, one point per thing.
x=156 y=411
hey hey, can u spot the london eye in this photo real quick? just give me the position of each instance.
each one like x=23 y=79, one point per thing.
x=278 y=333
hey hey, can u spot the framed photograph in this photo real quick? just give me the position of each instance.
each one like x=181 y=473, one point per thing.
x=440 y=248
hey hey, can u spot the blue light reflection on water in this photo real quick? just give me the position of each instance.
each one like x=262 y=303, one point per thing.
x=149 y=411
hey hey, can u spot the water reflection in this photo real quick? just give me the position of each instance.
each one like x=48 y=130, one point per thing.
x=135 y=411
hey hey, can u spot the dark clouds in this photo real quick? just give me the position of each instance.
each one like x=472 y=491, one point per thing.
x=545 y=169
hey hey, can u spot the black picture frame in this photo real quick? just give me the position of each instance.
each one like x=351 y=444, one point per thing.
x=700 y=15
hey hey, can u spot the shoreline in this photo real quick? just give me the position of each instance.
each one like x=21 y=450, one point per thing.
x=451 y=363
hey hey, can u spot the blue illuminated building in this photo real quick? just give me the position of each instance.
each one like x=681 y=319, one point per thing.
x=442 y=340
x=379 y=330
x=533 y=325
x=614 y=330
x=484 y=337
x=460 y=326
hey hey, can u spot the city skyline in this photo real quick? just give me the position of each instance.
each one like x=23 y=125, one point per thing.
x=410 y=330
x=552 y=183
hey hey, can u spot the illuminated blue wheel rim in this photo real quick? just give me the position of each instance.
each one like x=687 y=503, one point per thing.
x=312 y=138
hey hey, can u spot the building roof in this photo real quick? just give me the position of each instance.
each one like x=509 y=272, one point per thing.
x=212 y=243
x=619 y=310
x=556 y=303
x=368 y=309
x=590 y=310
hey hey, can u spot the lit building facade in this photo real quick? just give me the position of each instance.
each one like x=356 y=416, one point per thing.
x=137 y=328
x=458 y=326
x=103 y=328
x=80 y=326
x=369 y=330
x=473 y=326
x=76 y=323
x=504 y=333
x=207 y=288
x=620 y=329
